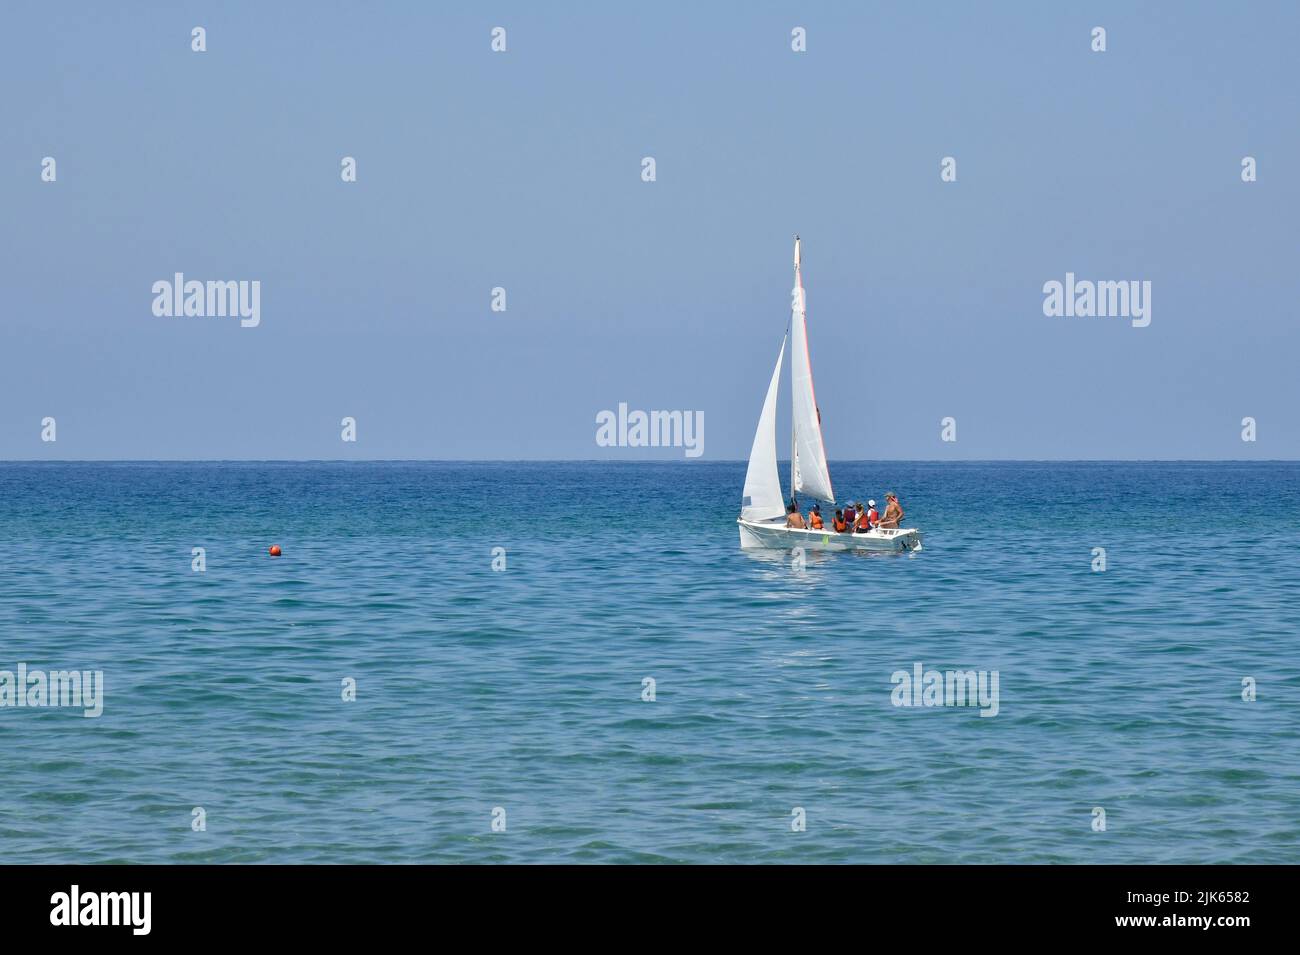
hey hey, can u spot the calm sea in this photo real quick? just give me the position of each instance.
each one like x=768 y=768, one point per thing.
x=517 y=694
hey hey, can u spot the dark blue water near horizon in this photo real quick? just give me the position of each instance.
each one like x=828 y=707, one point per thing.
x=521 y=689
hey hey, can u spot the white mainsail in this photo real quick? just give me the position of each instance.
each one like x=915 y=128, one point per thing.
x=762 y=499
x=808 y=473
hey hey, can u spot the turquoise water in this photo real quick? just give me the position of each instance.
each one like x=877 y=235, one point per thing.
x=522 y=689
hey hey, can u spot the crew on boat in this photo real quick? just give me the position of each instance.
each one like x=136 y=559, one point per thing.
x=852 y=519
x=893 y=512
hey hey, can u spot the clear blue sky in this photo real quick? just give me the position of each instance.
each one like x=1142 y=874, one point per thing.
x=522 y=170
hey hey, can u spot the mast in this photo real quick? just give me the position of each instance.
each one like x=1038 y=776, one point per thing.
x=794 y=439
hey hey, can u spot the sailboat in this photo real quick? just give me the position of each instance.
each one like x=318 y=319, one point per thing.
x=762 y=511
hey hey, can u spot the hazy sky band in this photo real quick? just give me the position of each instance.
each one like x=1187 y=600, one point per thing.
x=522 y=170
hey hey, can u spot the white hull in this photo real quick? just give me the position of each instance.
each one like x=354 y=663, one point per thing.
x=754 y=534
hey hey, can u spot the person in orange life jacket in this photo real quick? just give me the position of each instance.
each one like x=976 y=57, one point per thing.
x=860 y=525
x=815 y=518
x=839 y=523
x=873 y=516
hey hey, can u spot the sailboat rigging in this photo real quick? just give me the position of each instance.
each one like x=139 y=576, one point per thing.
x=762 y=513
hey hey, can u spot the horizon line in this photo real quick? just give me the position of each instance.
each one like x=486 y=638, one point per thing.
x=664 y=460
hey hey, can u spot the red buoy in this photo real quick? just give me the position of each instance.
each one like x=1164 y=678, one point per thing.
x=275 y=550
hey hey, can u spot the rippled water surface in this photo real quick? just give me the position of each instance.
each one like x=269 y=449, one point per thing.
x=522 y=689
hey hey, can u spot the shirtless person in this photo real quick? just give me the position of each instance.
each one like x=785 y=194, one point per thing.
x=893 y=513
x=793 y=518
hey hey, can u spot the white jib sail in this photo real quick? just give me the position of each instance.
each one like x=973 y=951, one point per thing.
x=810 y=475
x=762 y=495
